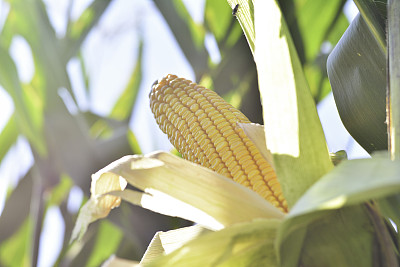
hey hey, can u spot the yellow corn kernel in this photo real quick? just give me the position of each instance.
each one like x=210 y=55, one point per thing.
x=203 y=128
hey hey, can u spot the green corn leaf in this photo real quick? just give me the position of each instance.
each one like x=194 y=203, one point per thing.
x=309 y=37
x=10 y=219
x=133 y=142
x=342 y=237
x=351 y=182
x=15 y=252
x=357 y=73
x=371 y=11
x=123 y=108
x=8 y=136
x=24 y=111
x=313 y=34
x=107 y=242
x=333 y=210
x=293 y=131
x=78 y=30
x=218 y=18
x=244 y=244
x=60 y=192
x=29 y=19
x=245 y=16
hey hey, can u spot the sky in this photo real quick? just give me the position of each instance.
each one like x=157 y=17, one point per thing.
x=114 y=42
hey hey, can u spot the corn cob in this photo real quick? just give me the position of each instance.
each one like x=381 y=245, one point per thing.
x=203 y=128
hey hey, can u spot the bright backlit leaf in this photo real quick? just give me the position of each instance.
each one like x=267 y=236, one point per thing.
x=293 y=131
x=244 y=244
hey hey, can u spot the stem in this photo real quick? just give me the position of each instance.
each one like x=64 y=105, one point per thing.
x=394 y=78
x=44 y=177
x=384 y=240
x=37 y=215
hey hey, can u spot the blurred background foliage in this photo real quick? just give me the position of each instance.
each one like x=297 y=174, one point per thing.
x=69 y=143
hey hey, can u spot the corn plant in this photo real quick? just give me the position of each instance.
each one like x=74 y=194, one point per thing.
x=321 y=214
x=343 y=215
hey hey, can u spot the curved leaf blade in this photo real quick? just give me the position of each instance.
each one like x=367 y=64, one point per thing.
x=357 y=73
x=351 y=182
